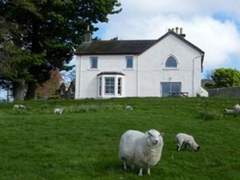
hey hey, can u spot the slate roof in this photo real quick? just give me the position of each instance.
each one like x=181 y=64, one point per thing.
x=112 y=47
x=131 y=47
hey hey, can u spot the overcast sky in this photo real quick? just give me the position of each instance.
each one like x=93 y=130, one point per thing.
x=212 y=25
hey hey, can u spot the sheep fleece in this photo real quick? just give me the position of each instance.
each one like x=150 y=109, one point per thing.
x=134 y=149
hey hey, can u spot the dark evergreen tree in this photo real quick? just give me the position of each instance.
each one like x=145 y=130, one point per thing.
x=44 y=33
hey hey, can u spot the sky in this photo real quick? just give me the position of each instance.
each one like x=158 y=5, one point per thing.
x=212 y=25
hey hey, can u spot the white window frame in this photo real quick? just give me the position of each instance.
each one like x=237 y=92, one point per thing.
x=101 y=87
x=168 y=67
x=132 y=59
x=109 y=86
x=91 y=62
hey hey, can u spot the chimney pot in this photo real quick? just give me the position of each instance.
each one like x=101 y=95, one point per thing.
x=177 y=30
x=181 y=31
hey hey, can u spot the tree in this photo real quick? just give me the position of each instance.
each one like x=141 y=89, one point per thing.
x=48 y=29
x=226 y=77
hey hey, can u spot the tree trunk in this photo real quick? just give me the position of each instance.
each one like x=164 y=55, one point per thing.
x=19 y=89
x=31 y=90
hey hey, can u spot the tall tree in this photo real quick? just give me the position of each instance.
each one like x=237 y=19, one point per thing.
x=50 y=29
x=226 y=77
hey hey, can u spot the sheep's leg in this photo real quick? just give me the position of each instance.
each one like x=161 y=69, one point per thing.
x=140 y=172
x=149 y=171
x=179 y=146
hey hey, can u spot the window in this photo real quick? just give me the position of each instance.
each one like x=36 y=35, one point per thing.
x=94 y=62
x=120 y=86
x=110 y=85
x=100 y=87
x=129 y=62
x=171 y=88
x=171 y=62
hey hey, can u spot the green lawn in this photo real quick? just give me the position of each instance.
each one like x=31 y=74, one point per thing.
x=83 y=143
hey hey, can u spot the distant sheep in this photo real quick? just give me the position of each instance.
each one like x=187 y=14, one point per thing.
x=141 y=150
x=185 y=140
x=236 y=108
x=229 y=111
x=58 y=111
x=19 y=107
x=129 y=108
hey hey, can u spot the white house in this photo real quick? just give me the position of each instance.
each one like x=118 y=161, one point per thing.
x=170 y=65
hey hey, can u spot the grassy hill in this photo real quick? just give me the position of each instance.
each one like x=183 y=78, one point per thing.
x=83 y=143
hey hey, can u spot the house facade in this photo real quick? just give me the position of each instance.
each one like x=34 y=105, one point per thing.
x=170 y=65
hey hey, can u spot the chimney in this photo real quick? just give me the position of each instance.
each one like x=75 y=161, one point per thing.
x=178 y=31
x=181 y=30
x=87 y=37
x=181 y=33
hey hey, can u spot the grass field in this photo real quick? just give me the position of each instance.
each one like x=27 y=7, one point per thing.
x=83 y=143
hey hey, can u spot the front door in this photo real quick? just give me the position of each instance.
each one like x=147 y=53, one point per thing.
x=170 y=88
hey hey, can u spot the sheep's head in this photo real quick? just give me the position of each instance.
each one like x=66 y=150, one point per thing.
x=154 y=138
x=195 y=146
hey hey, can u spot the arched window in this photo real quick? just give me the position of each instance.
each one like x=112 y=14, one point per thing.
x=171 y=62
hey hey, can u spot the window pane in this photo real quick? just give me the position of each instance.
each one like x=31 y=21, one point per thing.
x=129 y=60
x=171 y=62
x=94 y=62
x=100 y=87
x=171 y=88
x=119 y=86
x=110 y=85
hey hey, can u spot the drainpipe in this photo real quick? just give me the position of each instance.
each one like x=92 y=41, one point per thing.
x=137 y=78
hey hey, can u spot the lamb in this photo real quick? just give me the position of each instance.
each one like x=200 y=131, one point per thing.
x=58 y=111
x=184 y=140
x=141 y=150
x=229 y=111
x=19 y=106
x=236 y=108
x=129 y=108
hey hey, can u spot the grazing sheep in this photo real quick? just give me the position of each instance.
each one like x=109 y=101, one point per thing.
x=229 y=111
x=141 y=150
x=129 y=108
x=58 y=111
x=184 y=140
x=234 y=111
x=236 y=108
x=19 y=106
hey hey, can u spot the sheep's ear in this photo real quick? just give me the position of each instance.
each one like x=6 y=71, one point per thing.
x=147 y=133
x=162 y=134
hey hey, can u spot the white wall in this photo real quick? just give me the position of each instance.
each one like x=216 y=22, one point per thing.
x=86 y=80
x=148 y=72
x=152 y=69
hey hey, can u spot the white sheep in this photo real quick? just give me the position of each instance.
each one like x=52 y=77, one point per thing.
x=19 y=106
x=237 y=108
x=129 y=108
x=141 y=150
x=58 y=111
x=183 y=140
x=229 y=111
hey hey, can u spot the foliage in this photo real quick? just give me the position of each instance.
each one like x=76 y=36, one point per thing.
x=41 y=145
x=13 y=68
x=226 y=77
x=48 y=29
